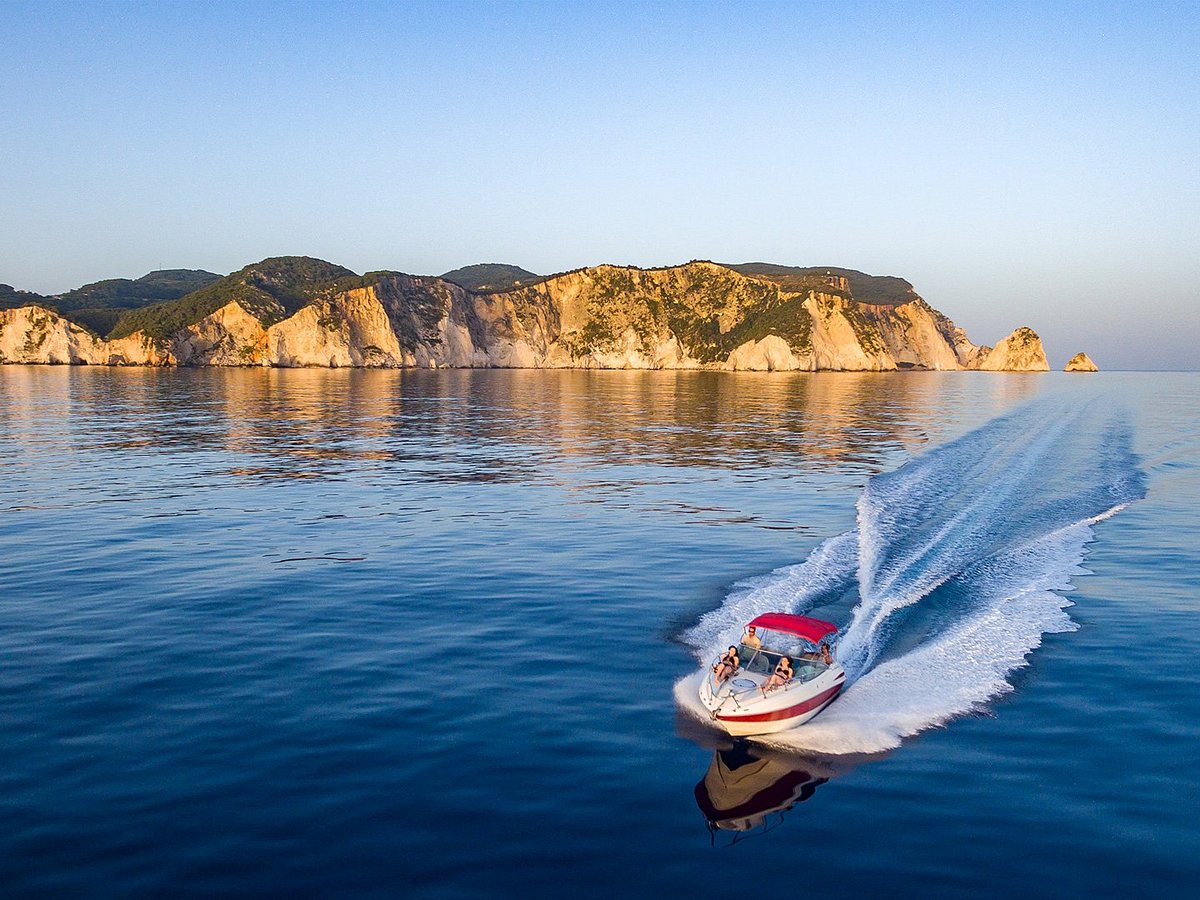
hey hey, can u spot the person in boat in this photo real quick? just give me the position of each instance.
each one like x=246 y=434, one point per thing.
x=751 y=640
x=781 y=676
x=728 y=665
x=823 y=654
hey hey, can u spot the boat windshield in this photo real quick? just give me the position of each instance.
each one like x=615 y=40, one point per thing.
x=762 y=659
x=806 y=666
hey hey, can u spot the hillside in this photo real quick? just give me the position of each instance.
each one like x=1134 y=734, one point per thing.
x=99 y=305
x=885 y=290
x=270 y=289
x=125 y=293
x=489 y=277
x=11 y=298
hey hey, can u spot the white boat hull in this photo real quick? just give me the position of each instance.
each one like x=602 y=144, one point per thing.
x=739 y=706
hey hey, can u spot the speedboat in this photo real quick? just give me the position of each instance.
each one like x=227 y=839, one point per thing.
x=745 y=702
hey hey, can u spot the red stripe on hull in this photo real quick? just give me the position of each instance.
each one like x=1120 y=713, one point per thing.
x=789 y=712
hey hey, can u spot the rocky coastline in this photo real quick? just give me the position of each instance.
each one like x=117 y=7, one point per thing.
x=700 y=315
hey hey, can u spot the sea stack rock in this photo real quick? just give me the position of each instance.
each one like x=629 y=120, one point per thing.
x=1021 y=351
x=1080 y=362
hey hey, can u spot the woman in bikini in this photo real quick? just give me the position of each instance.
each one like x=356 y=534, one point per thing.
x=781 y=676
x=728 y=665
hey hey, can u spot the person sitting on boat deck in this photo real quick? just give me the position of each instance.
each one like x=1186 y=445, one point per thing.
x=751 y=640
x=728 y=665
x=781 y=676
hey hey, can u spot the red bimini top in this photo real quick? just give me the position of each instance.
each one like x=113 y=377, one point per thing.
x=810 y=629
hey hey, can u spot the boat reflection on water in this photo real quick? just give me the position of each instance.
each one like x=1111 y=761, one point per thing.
x=747 y=789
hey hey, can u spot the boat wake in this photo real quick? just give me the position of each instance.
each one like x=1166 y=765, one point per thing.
x=956 y=564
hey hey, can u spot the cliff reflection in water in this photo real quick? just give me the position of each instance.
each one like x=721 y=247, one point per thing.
x=484 y=424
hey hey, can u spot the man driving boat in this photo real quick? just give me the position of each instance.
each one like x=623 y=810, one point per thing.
x=751 y=640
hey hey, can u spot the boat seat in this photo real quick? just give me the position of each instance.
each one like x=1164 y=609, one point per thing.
x=807 y=671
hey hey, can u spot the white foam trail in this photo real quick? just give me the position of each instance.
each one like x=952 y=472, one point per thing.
x=923 y=524
x=1018 y=477
x=829 y=568
x=959 y=669
x=962 y=668
x=974 y=539
x=888 y=582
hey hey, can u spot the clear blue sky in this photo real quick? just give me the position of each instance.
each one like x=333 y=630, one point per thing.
x=1020 y=164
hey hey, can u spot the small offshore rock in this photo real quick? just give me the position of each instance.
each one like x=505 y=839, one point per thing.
x=1080 y=362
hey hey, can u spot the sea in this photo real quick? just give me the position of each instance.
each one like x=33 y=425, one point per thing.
x=341 y=633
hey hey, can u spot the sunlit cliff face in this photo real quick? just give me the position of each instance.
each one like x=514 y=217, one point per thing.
x=1081 y=362
x=700 y=315
x=1021 y=351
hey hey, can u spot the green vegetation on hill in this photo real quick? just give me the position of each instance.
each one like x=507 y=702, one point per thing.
x=100 y=304
x=786 y=318
x=11 y=298
x=99 y=321
x=125 y=293
x=884 y=290
x=271 y=290
x=491 y=277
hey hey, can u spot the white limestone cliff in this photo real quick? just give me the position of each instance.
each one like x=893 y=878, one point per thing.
x=228 y=337
x=771 y=354
x=699 y=315
x=31 y=334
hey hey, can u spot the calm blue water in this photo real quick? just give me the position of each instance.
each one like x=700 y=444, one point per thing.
x=335 y=633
